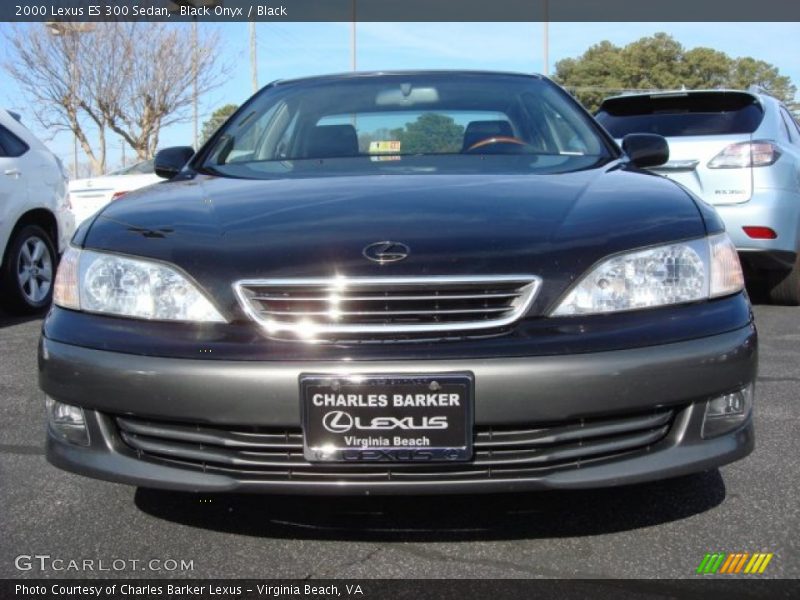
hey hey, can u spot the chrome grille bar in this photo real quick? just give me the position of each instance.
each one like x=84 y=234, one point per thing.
x=386 y=297
x=363 y=313
x=500 y=451
x=379 y=305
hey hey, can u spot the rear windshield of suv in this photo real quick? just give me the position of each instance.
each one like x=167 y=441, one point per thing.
x=682 y=114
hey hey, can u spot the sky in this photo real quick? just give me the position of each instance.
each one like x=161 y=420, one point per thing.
x=288 y=50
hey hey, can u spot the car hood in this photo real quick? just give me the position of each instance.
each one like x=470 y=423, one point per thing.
x=220 y=230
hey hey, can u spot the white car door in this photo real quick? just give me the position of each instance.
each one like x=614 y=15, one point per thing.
x=13 y=183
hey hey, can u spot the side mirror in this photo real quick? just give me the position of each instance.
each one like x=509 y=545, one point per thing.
x=646 y=149
x=170 y=161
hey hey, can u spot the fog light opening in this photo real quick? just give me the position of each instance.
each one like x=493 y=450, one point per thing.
x=67 y=422
x=726 y=412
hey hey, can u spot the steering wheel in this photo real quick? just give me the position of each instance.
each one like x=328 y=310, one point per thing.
x=498 y=139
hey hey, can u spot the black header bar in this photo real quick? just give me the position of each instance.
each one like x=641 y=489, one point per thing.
x=400 y=10
x=699 y=588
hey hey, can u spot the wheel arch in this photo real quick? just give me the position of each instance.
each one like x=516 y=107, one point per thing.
x=42 y=217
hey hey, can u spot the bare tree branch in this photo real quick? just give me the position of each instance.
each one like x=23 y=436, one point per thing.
x=153 y=64
x=48 y=69
x=130 y=78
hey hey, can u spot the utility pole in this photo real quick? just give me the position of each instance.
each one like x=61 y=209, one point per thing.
x=174 y=6
x=353 y=63
x=253 y=56
x=546 y=39
x=194 y=79
x=73 y=30
x=75 y=75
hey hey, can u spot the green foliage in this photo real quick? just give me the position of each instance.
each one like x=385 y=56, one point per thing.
x=218 y=117
x=660 y=62
x=430 y=133
x=707 y=68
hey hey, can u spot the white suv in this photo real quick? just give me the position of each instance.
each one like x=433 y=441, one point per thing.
x=35 y=221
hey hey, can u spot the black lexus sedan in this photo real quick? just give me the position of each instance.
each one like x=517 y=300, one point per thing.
x=405 y=282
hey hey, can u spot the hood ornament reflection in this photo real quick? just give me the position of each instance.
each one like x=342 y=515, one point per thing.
x=386 y=252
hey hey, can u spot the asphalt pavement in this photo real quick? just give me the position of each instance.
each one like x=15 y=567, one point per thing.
x=659 y=530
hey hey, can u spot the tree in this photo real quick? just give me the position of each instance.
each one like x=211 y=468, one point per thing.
x=707 y=68
x=747 y=71
x=131 y=78
x=48 y=66
x=599 y=69
x=660 y=62
x=430 y=133
x=217 y=118
x=651 y=62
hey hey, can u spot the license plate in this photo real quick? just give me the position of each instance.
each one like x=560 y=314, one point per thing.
x=387 y=418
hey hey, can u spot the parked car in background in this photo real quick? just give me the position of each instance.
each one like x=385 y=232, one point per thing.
x=35 y=223
x=89 y=195
x=737 y=150
x=401 y=283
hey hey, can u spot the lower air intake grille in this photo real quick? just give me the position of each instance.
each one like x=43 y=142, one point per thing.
x=277 y=455
x=312 y=307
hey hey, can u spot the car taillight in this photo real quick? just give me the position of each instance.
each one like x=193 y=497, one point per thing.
x=746 y=154
x=117 y=195
x=760 y=233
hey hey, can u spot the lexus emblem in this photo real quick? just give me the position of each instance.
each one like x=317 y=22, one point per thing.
x=337 y=421
x=386 y=252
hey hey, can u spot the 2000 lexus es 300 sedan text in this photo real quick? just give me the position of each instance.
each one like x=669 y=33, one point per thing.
x=401 y=282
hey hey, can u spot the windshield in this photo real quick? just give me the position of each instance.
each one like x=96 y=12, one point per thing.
x=365 y=123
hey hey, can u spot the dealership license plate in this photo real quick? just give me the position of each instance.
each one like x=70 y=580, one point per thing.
x=386 y=418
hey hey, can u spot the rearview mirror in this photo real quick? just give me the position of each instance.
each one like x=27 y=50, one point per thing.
x=646 y=149
x=170 y=161
x=405 y=95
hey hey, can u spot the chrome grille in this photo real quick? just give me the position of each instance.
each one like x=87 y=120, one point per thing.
x=308 y=307
x=277 y=454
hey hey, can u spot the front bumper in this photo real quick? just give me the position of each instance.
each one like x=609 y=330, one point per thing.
x=516 y=392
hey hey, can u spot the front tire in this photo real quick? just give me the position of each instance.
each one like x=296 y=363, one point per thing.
x=785 y=286
x=28 y=274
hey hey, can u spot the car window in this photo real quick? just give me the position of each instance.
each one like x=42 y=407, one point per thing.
x=790 y=124
x=418 y=132
x=143 y=167
x=568 y=138
x=246 y=139
x=140 y=168
x=682 y=114
x=283 y=148
x=383 y=119
x=11 y=145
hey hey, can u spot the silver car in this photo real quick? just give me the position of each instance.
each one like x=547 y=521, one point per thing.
x=739 y=151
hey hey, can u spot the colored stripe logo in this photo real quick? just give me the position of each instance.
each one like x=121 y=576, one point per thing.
x=721 y=563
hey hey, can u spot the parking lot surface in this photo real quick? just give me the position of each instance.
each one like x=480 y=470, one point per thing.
x=656 y=530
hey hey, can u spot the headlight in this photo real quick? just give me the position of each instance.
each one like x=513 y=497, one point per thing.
x=672 y=274
x=118 y=285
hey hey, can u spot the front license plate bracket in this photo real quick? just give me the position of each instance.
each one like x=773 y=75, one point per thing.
x=387 y=418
